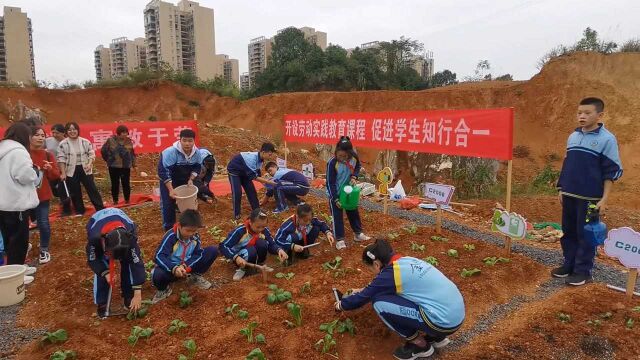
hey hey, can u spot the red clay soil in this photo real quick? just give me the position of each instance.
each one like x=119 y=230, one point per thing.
x=536 y=332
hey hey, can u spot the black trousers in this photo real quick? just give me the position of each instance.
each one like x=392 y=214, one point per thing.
x=14 y=226
x=80 y=177
x=120 y=175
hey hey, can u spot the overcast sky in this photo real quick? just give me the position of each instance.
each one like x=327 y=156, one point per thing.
x=511 y=34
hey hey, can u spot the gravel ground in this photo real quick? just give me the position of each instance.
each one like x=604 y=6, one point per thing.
x=10 y=334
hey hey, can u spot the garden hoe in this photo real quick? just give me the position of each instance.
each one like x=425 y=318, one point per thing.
x=264 y=269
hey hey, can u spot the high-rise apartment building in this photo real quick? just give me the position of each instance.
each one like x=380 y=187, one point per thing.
x=259 y=53
x=181 y=36
x=102 y=60
x=315 y=37
x=16 y=47
x=229 y=68
x=244 y=81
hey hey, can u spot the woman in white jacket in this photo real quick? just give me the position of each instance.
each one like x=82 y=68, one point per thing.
x=18 y=181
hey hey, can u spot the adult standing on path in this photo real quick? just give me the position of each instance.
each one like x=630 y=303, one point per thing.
x=18 y=181
x=57 y=187
x=118 y=152
x=75 y=158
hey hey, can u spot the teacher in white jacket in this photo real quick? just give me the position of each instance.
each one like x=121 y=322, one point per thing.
x=18 y=181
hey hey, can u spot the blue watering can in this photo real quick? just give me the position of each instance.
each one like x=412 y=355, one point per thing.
x=595 y=231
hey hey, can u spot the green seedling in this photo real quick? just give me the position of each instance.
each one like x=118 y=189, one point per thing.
x=149 y=265
x=469 y=247
x=63 y=355
x=191 y=347
x=175 y=326
x=629 y=324
x=393 y=235
x=333 y=264
x=439 y=238
x=431 y=260
x=469 y=273
x=277 y=295
x=147 y=302
x=327 y=218
x=132 y=315
x=215 y=232
x=137 y=332
x=255 y=354
x=492 y=260
x=329 y=327
x=296 y=313
x=595 y=323
x=260 y=339
x=286 y=276
x=235 y=222
x=325 y=344
x=58 y=336
x=78 y=252
x=185 y=299
x=243 y=314
x=564 y=318
x=412 y=229
x=636 y=309
x=606 y=316
x=416 y=247
x=347 y=326
x=452 y=253
x=248 y=331
x=231 y=309
x=306 y=288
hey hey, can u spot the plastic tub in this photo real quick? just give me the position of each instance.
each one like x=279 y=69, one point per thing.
x=186 y=197
x=11 y=284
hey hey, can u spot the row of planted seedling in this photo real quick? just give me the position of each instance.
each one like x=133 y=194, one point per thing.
x=597 y=323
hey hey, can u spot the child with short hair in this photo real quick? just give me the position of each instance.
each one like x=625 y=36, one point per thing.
x=589 y=169
x=203 y=179
x=243 y=169
x=300 y=230
x=249 y=243
x=343 y=169
x=290 y=185
x=181 y=255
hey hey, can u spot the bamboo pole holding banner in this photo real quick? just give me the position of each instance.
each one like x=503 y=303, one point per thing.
x=286 y=151
x=507 y=241
x=631 y=282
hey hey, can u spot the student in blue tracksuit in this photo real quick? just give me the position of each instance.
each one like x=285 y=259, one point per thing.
x=181 y=255
x=300 y=230
x=203 y=179
x=343 y=169
x=112 y=237
x=590 y=167
x=243 y=169
x=249 y=243
x=179 y=164
x=290 y=185
x=411 y=297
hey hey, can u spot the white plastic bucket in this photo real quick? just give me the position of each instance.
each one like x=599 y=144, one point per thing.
x=186 y=197
x=11 y=284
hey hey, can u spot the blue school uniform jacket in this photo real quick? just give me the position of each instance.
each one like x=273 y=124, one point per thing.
x=287 y=176
x=246 y=164
x=176 y=166
x=238 y=239
x=96 y=257
x=339 y=174
x=591 y=159
x=289 y=231
x=439 y=299
x=174 y=251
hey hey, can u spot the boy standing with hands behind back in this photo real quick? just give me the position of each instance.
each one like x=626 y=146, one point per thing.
x=591 y=165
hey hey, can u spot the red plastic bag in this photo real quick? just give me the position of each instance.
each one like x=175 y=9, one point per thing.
x=409 y=203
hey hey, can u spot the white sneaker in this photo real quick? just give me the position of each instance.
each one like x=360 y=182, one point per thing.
x=362 y=237
x=340 y=244
x=30 y=270
x=442 y=343
x=161 y=295
x=28 y=279
x=239 y=274
x=45 y=257
x=199 y=281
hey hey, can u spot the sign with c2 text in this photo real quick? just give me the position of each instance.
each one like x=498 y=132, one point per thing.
x=486 y=133
x=624 y=244
x=441 y=194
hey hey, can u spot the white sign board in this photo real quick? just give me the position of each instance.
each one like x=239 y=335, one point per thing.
x=282 y=163
x=441 y=194
x=509 y=224
x=624 y=244
x=307 y=171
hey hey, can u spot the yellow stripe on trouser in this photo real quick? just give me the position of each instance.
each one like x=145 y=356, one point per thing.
x=434 y=327
x=397 y=277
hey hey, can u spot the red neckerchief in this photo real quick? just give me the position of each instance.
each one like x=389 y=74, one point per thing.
x=254 y=236
x=303 y=231
x=352 y=170
x=394 y=258
x=184 y=248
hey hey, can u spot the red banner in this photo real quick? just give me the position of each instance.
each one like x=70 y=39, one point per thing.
x=147 y=137
x=478 y=133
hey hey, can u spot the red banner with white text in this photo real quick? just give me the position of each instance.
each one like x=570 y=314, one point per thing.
x=147 y=137
x=479 y=133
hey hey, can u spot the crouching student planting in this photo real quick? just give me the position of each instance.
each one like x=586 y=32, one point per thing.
x=300 y=231
x=112 y=237
x=412 y=298
x=290 y=186
x=249 y=244
x=181 y=256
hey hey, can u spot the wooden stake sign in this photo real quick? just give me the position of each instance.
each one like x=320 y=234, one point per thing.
x=624 y=245
x=440 y=194
x=385 y=176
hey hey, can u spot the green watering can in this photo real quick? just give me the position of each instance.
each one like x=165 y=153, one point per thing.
x=349 y=197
